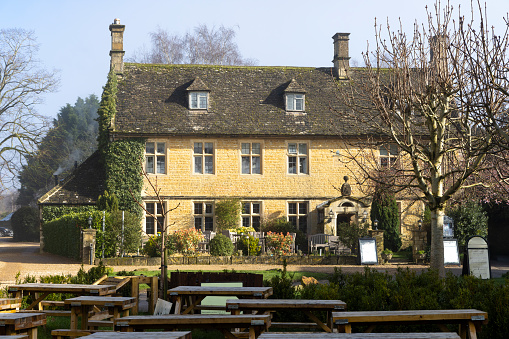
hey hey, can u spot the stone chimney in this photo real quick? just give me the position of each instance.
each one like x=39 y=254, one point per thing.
x=117 y=47
x=341 y=57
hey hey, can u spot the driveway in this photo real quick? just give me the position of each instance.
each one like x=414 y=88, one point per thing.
x=24 y=257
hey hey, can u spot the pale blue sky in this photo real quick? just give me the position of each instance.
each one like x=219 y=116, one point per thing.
x=74 y=35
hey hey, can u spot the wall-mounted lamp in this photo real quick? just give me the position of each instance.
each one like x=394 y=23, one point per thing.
x=90 y=222
x=375 y=223
x=331 y=214
x=419 y=223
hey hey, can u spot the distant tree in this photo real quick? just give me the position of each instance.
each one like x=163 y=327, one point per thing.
x=72 y=138
x=469 y=219
x=228 y=214
x=22 y=82
x=25 y=224
x=107 y=202
x=384 y=208
x=211 y=46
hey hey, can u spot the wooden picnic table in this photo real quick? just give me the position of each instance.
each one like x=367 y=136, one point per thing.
x=84 y=305
x=13 y=336
x=193 y=295
x=7 y=304
x=308 y=307
x=256 y=324
x=470 y=320
x=41 y=291
x=323 y=335
x=18 y=323
x=140 y=335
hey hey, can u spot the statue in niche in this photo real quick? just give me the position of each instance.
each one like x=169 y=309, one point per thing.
x=346 y=190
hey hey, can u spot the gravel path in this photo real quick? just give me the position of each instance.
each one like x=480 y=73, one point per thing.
x=25 y=258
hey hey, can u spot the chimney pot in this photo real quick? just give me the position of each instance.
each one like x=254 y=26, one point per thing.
x=56 y=179
x=116 y=21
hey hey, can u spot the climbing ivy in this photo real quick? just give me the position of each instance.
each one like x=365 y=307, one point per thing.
x=106 y=112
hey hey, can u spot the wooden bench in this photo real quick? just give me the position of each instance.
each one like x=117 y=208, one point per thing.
x=64 y=333
x=323 y=335
x=51 y=313
x=9 y=304
x=470 y=320
x=256 y=324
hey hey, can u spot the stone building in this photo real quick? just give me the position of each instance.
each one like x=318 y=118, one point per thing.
x=269 y=136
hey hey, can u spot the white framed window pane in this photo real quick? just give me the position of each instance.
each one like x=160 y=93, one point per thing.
x=194 y=100
x=256 y=148
x=209 y=165
x=150 y=207
x=256 y=208
x=149 y=225
x=303 y=165
x=383 y=151
x=245 y=165
x=203 y=101
x=384 y=162
x=208 y=209
x=161 y=164
x=303 y=208
x=149 y=164
x=256 y=165
x=246 y=208
x=299 y=104
x=292 y=165
x=198 y=165
x=198 y=208
x=245 y=148
x=293 y=220
x=245 y=222
x=160 y=224
x=197 y=223
x=289 y=102
x=160 y=148
x=303 y=149
x=256 y=223
x=209 y=223
x=292 y=208
x=292 y=148
x=209 y=148
x=394 y=149
x=303 y=223
x=149 y=148
x=198 y=148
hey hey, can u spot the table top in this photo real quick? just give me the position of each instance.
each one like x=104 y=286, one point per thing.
x=103 y=301
x=323 y=335
x=64 y=288
x=141 y=335
x=411 y=315
x=187 y=318
x=9 y=303
x=285 y=304
x=221 y=291
x=13 y=336
x=22 y=320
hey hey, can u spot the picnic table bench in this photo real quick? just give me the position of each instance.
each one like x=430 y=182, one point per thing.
x=323 y=335
x=308 y=307
x=186 y=298
x=256 y=324
x=13 y=336
x=8 y=304
x=470 y=320
x=20 y=323
x=61 y=333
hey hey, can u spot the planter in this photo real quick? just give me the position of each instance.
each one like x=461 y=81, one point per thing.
x=387 y=256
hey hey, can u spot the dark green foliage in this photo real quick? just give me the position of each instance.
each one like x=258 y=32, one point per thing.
x=25 y=224
x=50 y=213
x=132 y=233
x=385 y=209
x=282 y=285
x=221 y=245
x=107 y=202
x=227 y=214
x=281 y=225
x=249 y=245
x=106 y=112
x=152 y=247
x=72 y=138
x=469 y=219
x=349 y=234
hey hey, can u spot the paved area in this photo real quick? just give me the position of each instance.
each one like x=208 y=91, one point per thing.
x=26 y=259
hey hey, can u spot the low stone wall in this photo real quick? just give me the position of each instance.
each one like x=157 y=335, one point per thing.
x=232 y=260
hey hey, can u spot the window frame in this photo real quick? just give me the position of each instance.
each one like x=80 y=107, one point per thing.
x=298 y=158
x=157 y=215
x=298 y=215
x=156 y=155
x=250 y=156
x=199 y=95
x=388 y=158
x=251 y=216
x=203 y=215
x=291 y=99
x=203 y=156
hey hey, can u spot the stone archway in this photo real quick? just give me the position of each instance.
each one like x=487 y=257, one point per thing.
x=344 y=209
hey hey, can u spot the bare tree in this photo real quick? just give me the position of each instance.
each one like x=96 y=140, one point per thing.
x=22 y=82
x=420 y=106
x=214 y=46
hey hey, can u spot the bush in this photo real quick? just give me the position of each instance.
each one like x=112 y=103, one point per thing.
x=249 y=245
x=152 y=247
x=349 y=234
x=221 y=245
x=228 y=214
x=184 y=241
x=278 y=243
x=25 y=224
x=469 y=219
x=385 y=209
x=281 y=225
x=132 y=233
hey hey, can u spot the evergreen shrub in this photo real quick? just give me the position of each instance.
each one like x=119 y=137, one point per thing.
x=249 y=245
x=221 y=245
x=25 y=224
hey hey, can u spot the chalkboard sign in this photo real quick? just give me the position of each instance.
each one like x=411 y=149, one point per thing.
x=367 y=250
x=478 y=257
x=451 y=253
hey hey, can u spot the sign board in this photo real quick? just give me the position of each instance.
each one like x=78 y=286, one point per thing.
x=451 y=253
x=478 y=257
x=367 y=250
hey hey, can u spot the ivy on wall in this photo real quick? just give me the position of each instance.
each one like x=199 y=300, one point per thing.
x=106 y=112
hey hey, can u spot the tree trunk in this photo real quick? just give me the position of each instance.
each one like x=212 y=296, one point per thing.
x=437 y=240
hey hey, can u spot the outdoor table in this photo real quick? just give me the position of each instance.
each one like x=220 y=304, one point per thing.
x=256 y=324
x=140 y=335
x=195 y=294
x=13 y=336
x=41 y=291
x=469 y=320
x=323 y=335
x=9 y=304
x=116 y=306
x=265 y=306
x=18 y=323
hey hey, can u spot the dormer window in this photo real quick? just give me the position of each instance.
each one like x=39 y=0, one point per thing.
x=294 y=102
x=198 y=100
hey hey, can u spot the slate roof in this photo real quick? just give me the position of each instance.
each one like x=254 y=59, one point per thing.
x=82 y=187
x=243 y=101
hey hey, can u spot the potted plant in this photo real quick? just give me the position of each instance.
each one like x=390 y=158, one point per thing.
x=421 y=254
x=387 y=254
